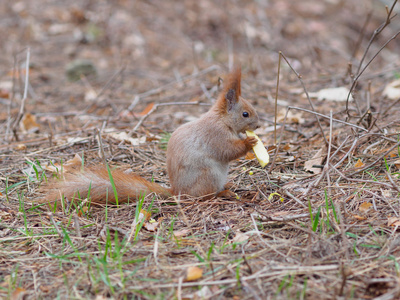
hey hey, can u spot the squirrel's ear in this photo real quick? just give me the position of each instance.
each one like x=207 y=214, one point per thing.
x=232 y=90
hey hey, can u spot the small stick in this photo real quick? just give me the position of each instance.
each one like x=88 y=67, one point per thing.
x=326 y=167
x=294 y=198
x=374 y=35
x=326 y=117
x=77 y=226
x=9 y=119
x=376 y=161
x=280 y=139
x=395 y=186
x=22 y=107
x=361 y=35
x=363 y=180
x=318 y=180
x=60 y=234
x=308 y=96
x=100 y=141
x=276 y=94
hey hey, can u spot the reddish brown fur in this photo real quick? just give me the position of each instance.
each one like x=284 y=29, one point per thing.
x=198 y=155
x=129 y=186
x=231 y=81
x=199 y=152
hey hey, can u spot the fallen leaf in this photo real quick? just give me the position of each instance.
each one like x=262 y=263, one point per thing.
x=182 y=232
x=146 y=214
x=393 y=221
x=204 y=293
x=147 y=109
x=18 y=293
x=20 y=147
x=291 y=118
x=240 y=237
x=67 y=166
x=359 y=164
x=316 y=160
x=397 y=163
x=123 y=136
x=28 y=123
x=4 y=94
x=364 y=207
x=90 y=95
x=250 y=156
x=193 y=273
x=338 y=94
x=392 y=90
x=151 y=226
x=359 y=217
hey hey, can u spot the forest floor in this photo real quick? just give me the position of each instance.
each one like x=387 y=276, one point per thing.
x=116 y=78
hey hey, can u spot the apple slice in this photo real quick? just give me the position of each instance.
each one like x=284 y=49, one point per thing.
x=259 y=150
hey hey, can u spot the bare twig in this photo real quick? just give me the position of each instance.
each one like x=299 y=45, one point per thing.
x=276 y=94
x=375 y=161
x=307 y=95
x=22 y=107
x=374 y=35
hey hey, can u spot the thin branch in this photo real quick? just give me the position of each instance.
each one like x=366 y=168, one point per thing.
x=276 y=94
x=22 y=107
x=374 y=35
x=307 y=95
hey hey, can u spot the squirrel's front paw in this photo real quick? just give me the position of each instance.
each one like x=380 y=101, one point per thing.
x=250 y=142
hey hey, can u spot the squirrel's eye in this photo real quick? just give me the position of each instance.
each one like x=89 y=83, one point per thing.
x=245 y=114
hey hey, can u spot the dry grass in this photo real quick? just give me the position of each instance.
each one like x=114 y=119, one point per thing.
x=330 y=235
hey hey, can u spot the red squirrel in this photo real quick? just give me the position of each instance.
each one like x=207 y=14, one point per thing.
x=198 y=155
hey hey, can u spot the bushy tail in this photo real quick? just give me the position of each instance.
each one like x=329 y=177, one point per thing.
x=96 y=182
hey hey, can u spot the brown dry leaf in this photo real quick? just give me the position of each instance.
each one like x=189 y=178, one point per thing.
x=182 y=232
x=397 y=163
x=146 y=214
x=250 y=156
x=359 y=217
x=124 y=137
x=17 y=73
x=20 y=147
x=317 y=159
x=151 y=226
x=19 y=293
x=146 y=110
x=292 y=118
x=193 y=273
x=359 y=164
x=391 y=154
x=68 y=165
x=240 y=237
x=28 y=123
x=393 y=221
x=45 y=288
x=4 y=216
x=4 y=94
x=364 y=207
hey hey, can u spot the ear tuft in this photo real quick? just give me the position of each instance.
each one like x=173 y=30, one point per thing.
x=231 y=98
x=231 y=92
x=232 y=82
